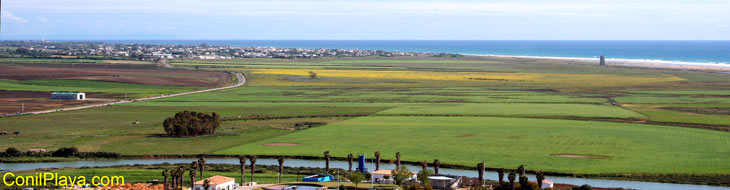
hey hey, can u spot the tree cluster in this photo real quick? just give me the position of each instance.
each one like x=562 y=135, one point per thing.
x=188 y=123
x=61 y=152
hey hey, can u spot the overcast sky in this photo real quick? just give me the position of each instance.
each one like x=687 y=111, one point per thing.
x=368 y=20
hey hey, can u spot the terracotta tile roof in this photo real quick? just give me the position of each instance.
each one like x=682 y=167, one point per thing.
x=215 y=180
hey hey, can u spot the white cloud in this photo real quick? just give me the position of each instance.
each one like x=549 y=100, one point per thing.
x=42 y=19
x=10 y=16
x=720 y=26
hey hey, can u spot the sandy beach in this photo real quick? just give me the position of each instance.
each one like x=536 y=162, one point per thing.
x=658 y=64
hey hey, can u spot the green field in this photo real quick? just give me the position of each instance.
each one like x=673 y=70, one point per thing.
x=507 y=142
x=515 y=110
x=506 y=112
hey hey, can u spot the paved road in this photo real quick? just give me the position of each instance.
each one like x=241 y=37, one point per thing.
x=239 y=76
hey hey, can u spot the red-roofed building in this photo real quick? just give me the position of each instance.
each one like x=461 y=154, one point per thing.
x=217 y=183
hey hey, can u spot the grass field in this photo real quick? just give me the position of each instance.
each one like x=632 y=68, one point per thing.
x=508 y=142
x=529 y=110
x=506 y=112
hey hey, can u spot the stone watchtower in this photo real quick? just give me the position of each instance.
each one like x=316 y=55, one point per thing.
x=603 y=61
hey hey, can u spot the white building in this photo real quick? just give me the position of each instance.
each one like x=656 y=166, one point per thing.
x=217 y=183
x=380 y=175
x=68 y=96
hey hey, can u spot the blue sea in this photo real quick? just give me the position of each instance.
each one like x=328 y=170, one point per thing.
x=713 y=52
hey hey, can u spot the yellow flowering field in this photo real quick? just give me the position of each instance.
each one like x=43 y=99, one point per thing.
x=558 y=79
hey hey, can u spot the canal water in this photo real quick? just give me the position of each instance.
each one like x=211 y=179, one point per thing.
x=370 y=165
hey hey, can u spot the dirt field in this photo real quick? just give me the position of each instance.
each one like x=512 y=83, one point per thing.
x=280 y=144
x=126 y=75
x=14 y=101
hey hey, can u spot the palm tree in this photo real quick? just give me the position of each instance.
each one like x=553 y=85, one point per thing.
x=253 y=166
x=397 y=160
x=424 y=165
x=511 y=178
x=377 y=160
x=327 y=162
x=173 y=178
x=349 y=162
x=539 y=179
x=281 y=167
x=521 y=170
x=193 y=167
x=480 y=170
x=436 y=165
x=164 y=175
x=201 y=163
x=242 y=162
x=500 y=172
x=181 y=177
x=524 y=182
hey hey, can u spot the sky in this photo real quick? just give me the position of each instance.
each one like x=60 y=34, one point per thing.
x=366 y=20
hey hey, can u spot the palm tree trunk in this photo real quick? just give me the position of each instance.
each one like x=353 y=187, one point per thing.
x=511 y=178
x=480 y=168
x=164 y=183
x=349 y=161
x=201 y=161
x=242 y=161
x=253 y=166
x=182 y=177
x=436 y=165
x=500 y=172
x=377 y=160
x=327 y=162
x=281 y=167
x=397 y=160
x=192 y=179
x=173 y=175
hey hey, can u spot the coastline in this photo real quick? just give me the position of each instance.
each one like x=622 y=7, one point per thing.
x=640 y=63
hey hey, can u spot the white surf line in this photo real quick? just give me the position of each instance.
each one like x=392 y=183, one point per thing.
x=647 y=63
x=239 y=76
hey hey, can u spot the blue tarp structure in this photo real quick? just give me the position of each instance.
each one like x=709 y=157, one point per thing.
x=318 y=178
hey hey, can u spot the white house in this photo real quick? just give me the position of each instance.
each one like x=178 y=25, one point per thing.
x=68 y=96
x=217 y=183
x=380 y=175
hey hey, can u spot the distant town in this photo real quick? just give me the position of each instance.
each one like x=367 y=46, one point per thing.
x=99 y=50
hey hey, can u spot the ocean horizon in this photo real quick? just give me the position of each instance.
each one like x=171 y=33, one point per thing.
x=704 y=52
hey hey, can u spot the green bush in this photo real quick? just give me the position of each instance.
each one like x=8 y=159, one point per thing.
x=12 y=151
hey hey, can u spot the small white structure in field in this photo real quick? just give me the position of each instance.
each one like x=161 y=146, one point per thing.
x=217 y=183
x=380 y=175
x=68 y=96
